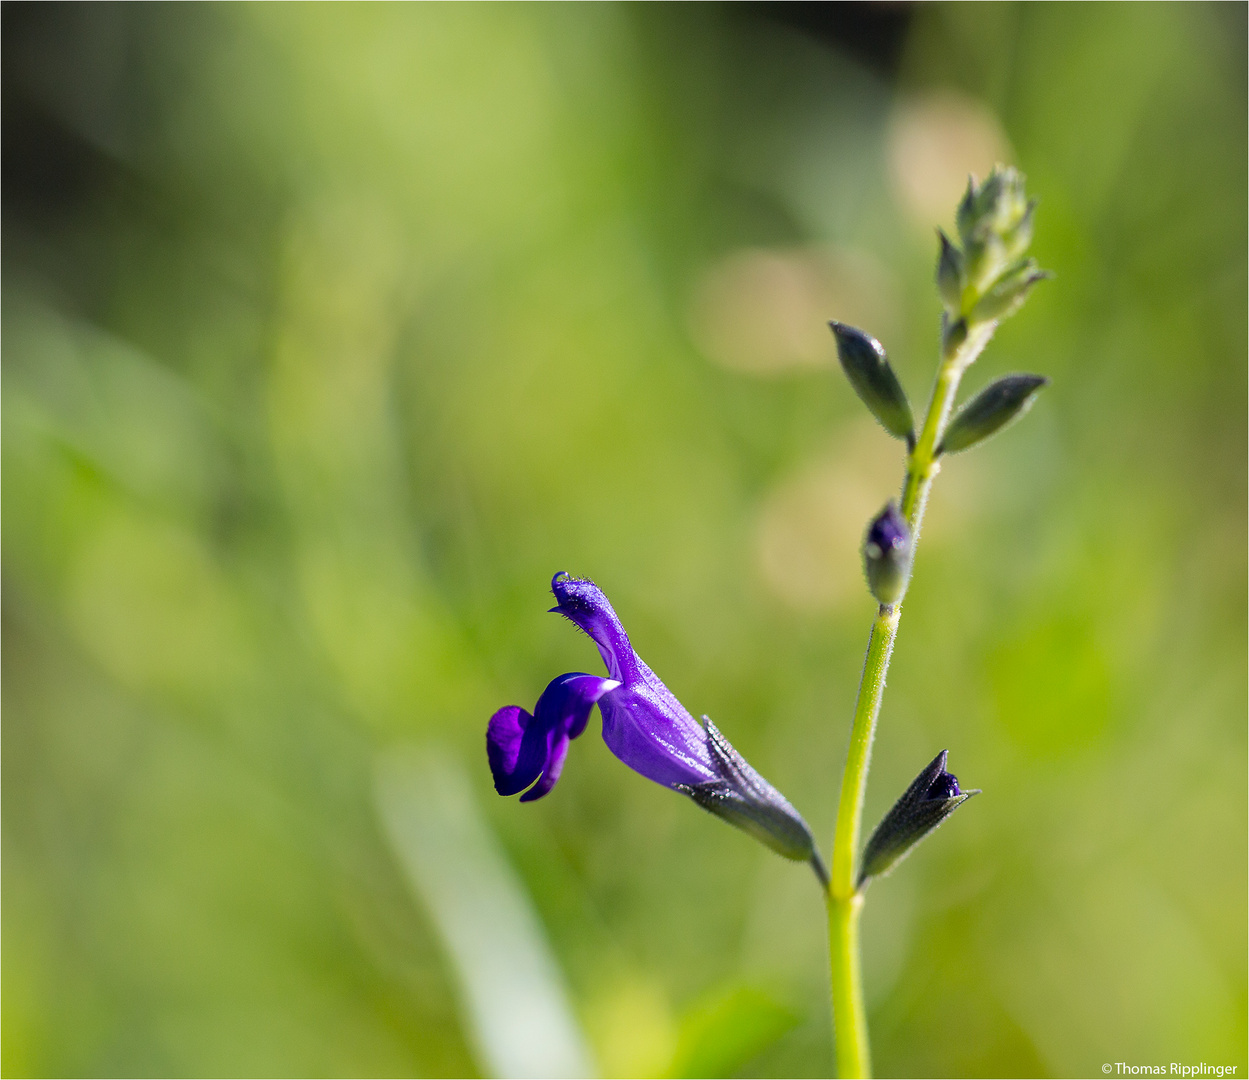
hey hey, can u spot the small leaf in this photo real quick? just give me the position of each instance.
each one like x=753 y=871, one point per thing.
x=991 y=410
x=953 y=334
x=867 y=367
x=932 y=797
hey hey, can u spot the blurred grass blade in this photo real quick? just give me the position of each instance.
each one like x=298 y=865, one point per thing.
x=720 y=1035
x=512 y=992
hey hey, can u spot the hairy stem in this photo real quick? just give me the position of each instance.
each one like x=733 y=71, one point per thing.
x=854 y=780
x=849 y=1017
x=845 y=901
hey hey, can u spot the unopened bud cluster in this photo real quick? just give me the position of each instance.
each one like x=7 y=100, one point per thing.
x=990 y=275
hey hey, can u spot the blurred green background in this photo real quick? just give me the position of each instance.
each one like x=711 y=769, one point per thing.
x=333 y=331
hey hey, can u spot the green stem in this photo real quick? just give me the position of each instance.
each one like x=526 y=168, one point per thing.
x=845 y=900
x=922 y=464
x=849 y=1016
x=854 y=780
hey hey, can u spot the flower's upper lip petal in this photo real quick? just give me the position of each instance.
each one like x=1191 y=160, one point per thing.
x=584 y=603
x=643 y=723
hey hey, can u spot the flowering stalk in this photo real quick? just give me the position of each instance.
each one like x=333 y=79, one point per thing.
x=649 y=730
x=980 y=285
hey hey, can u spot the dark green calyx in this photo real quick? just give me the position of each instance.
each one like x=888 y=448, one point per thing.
x=991 y=410
x=745 y=799
x=887 y=553
x=932 y=797
x=867 y=367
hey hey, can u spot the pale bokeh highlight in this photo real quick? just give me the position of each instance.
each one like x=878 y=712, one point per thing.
x=934 y=142
x=765 y=311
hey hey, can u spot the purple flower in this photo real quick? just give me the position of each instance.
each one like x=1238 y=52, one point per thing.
x=645 y=726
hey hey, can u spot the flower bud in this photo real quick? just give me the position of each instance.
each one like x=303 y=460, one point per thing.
x=1020 y=237
x=1010 y=291
x=932 y=797
x=965 y=215
x=867 y=367
x=995 y=224
x=991 y=410
x=986 y=262
x=998 y=205
x=887 y=551
x=953 y=334
x=950 y=275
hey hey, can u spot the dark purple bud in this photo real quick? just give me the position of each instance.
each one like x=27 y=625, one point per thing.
x=945 y=786
x=887 y=551
x=932 y=797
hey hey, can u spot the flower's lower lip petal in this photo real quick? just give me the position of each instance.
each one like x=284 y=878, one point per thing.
x=566 y=703
x=516 y=748
x=555 y=765
x=604 y=687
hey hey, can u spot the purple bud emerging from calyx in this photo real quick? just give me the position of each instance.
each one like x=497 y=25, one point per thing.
x=887 y=553
x=945 y=786
x=932 y=797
